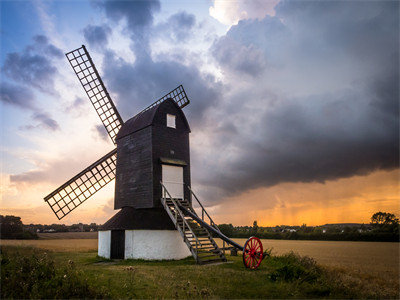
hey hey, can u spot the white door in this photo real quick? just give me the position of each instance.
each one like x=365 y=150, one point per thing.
x=172 y=178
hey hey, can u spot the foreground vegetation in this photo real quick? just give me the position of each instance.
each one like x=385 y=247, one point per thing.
x=33 y=273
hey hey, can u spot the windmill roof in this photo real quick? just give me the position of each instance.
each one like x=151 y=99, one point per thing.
x=129 y=218
x=144 y=119
x=138 y=122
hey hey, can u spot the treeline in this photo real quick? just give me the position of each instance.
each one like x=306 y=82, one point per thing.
x=62 y=227
x=384 y=227
x=11 y=227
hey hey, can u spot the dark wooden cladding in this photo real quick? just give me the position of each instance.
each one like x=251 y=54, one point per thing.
x=170 y=143
x=134 y=179
x=140 y=150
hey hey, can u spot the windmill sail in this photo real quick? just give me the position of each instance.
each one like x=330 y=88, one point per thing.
x=82 y=186
x=86 y=71
x=179 y=96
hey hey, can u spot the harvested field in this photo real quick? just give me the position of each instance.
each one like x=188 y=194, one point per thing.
x=67 y=235
x=62 y=245
x=376 y=258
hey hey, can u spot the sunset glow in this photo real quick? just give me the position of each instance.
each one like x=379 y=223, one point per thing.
x=294 y=111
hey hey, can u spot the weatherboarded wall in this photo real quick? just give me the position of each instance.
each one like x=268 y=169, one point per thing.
x=134 y=183
x=171 y=143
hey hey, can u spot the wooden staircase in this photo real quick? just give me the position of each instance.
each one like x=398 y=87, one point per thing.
x=198 y=239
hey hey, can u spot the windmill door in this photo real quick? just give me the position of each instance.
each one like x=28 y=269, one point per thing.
x=117 y=244
x=172 y=178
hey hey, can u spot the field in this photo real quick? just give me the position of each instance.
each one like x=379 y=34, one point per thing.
x=376 y=258
x=340 y=270
x=37 y=273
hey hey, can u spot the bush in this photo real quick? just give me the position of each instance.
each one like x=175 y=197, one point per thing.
x=295 y=267
x=31 y=273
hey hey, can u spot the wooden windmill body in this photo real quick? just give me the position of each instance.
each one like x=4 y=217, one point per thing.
x=151 y=165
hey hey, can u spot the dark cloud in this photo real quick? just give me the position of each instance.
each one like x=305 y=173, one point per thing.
x=141 y=83
x=42 y=45
x=326 y=106
x=239 y=58
x=43 y=120
x=177 y=28
x=294 y=143
x=97 y=36
x=33 y=66
x=320 y=102
x=137 y=14
x=16 y=95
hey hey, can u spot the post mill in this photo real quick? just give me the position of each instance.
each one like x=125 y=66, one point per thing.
x=151 y=166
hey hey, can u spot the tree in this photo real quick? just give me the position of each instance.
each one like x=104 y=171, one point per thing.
x=255 y=228
x=383 y=218
x=385 y=222
x=11 y=227
x=226 y=229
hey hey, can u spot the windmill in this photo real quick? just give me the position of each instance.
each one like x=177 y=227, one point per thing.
x=151 y=165
x=152 y=175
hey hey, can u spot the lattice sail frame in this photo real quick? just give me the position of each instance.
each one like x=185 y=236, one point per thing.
x=179 y=96
x=90 y=79
x=82 y=186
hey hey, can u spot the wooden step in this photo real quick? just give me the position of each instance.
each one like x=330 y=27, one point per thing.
x=210 y=261
x=209 y=255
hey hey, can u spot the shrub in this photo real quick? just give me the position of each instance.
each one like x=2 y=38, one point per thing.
x=31 y=273
x=295 y=267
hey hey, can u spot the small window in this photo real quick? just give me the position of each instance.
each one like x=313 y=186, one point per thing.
x=171 y=121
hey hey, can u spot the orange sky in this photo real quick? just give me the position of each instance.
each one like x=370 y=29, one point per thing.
x=353 y=199
x=267 y=105
x=350 y=200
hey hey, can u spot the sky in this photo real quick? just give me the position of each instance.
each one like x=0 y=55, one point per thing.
x=294 y=109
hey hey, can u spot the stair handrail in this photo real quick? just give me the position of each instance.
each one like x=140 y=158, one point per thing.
x=178 y=210
x=203 y=210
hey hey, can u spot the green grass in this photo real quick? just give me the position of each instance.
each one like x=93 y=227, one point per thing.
x=32 y=273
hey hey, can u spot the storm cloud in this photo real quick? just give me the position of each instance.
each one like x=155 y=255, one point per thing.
x=324 y=104
x=137 y=14
x=309 y=95
x=143 y=82
x=140 y=83
x=177 y=28
x=97 y=36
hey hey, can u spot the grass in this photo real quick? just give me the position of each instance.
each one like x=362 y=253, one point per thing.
x=35 y=273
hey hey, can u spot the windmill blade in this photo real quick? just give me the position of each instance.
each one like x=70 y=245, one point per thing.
x=82 y=186
x=179 y=96
x=88 y=76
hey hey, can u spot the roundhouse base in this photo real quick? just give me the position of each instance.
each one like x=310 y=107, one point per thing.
x=143 y=244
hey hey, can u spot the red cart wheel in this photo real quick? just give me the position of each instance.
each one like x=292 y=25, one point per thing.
x=253 y=253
